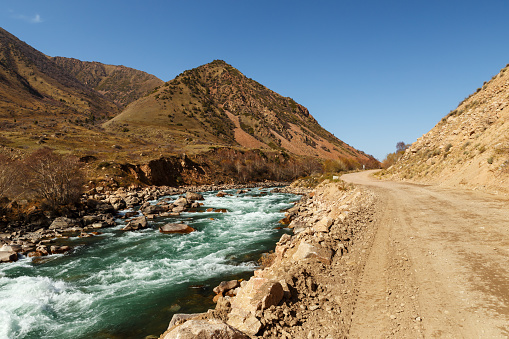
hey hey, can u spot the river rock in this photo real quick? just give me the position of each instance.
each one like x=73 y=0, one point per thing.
x=153 y=209
x=59 y=249
x=192 y=196
x=117 y=202
x=205 y=329
x=225 y=286
x=181 y=202
x=90 y=219
x=178 y=209
x=62 y=222
x=176 y=228
x=136 y=224
x=221 y=194
x=11 y=248
x=6 y=256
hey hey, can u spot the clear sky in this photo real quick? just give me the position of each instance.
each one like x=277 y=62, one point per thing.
x=371 y=72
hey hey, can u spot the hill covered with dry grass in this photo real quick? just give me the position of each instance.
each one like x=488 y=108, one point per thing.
x=216 y=104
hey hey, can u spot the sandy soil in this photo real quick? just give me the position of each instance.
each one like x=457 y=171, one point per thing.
x=438 y=266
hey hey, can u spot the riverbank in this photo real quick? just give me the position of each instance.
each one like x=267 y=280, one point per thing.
x=309 y=289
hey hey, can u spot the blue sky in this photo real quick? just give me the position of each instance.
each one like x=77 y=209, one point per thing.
x=371 y=72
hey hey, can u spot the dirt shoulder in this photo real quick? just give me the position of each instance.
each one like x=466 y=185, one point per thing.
x=438 y=266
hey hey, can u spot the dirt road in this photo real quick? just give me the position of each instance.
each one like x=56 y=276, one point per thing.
x=438 y=267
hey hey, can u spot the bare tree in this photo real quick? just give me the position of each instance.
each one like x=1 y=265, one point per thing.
x=7 y=177
x=55 y=179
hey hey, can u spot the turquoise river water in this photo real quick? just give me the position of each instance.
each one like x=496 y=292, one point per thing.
x=129 y=284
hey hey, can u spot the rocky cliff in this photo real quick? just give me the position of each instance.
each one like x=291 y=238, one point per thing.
x=469 y=147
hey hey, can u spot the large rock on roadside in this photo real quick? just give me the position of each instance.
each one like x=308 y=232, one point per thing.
x=298 y=226
x=307 y=250
x=323 y=225
x=205 y=329
x=192 y=196
x=256 y=294
x=176 y=228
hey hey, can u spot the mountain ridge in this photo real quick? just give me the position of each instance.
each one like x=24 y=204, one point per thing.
x=120 y=84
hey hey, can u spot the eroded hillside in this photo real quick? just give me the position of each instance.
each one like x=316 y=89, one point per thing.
x=467 y=148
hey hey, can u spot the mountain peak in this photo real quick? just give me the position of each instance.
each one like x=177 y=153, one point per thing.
x=215 y=103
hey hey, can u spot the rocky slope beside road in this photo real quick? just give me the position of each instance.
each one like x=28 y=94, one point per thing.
x=309 y=290
x=468 y=148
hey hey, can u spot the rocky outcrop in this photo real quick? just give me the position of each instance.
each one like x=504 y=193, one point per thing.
x=172 y=171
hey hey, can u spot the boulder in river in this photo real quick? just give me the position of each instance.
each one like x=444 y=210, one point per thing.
x=176 y=228
x=192 y=196
x=181 y=202
x=153 y=209
x=62 y=222
x=225 y=286
x=7 y=256
x=221 y=194
x=136 y=224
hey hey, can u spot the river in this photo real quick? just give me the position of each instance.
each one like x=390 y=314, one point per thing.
x=129 y=284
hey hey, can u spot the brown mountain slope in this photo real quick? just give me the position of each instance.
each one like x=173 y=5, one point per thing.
x=120 y=84
x=32 y=86
x=467 y=148
x=216 y=104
